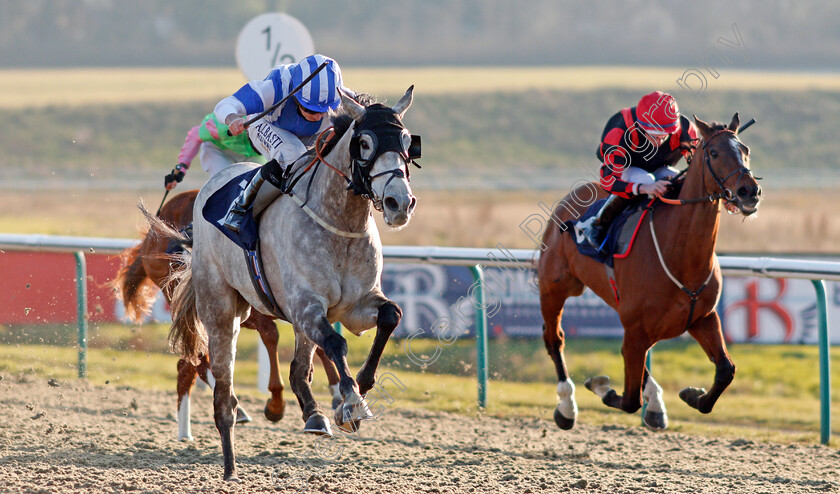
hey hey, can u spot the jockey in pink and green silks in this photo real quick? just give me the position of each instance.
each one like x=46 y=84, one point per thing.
x=216 y=150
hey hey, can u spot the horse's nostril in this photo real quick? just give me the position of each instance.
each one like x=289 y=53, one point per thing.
x=391 y=203
x=412 y=204
x=747 y=191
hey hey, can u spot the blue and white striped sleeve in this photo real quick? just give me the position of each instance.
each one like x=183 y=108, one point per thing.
x=256 y=96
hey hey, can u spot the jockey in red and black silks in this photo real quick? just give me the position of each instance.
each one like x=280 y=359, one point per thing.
x=639 y=147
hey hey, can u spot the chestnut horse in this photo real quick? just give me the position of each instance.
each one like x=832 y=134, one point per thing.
x=670 y=282
x=144 y=270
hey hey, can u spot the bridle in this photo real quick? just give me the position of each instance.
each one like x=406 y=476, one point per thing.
x=725 y=193
x=386 y=133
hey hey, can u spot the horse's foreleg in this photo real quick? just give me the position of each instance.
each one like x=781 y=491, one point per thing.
x=275 y=407
x=186 y=379
x=707 y=332
x=301 y=379
x=353 y=407
x=332 y=376
x=388 y=317
x=634 y=353
x=656 y=417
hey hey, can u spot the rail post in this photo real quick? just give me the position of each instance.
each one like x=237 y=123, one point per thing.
x=480 y=334
x=81 y=310
x=825 y=375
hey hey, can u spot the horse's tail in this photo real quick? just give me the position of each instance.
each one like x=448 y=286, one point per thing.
x=187 y=336
x=132 y=284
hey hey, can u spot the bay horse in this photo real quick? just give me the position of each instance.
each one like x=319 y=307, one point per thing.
x=144 y=270
x=322 y=258
x=668 y=284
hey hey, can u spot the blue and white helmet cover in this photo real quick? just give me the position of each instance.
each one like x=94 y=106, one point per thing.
x=321 y=93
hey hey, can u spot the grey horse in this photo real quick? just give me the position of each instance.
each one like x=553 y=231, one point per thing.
x=322 y=257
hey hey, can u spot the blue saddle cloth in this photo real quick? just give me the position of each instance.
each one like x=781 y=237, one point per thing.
x=615 y=242
x=217 y=206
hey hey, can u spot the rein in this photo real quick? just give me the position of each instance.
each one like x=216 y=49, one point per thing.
x=316 y=161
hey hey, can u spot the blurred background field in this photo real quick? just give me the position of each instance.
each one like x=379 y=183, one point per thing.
x=526 y=136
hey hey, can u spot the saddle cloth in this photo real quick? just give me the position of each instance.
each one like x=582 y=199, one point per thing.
x=217 y=206
x=620 y=235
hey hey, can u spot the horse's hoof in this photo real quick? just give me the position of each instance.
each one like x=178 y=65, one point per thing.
x=186 y=438
x=242 y=416
x=348 y=417
x=656 y=420
x=691 y=396
x=562 y=422
x=272 y=415
x=336 y=402
x=319 y=425
x=232 y=478
x=594 y=383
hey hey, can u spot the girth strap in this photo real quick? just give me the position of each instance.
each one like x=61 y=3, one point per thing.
x=253 y=259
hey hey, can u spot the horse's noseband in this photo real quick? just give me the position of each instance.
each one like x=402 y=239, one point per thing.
x=385 y=132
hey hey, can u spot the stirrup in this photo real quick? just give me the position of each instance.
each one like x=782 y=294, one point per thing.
x=234 y=218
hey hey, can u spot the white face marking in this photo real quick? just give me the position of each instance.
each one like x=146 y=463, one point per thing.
x=392 y=189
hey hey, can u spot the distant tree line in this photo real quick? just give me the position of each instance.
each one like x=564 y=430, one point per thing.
x=777 y=33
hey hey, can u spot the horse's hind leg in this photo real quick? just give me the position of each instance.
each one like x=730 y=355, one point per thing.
x=332 y=376
x=556 y=285
x=186 y=378
x=218 y=312
x=275 y=407
x=301 y=380
x=707 y=332
x=206 y=375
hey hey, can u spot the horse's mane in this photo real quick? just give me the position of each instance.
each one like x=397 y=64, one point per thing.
x=341 y=121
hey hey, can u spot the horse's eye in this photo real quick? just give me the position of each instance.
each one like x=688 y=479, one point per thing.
x=405 y=140
x=364 y=145
x=713 y=153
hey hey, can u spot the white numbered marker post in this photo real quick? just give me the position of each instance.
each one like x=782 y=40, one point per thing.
x=269 y=40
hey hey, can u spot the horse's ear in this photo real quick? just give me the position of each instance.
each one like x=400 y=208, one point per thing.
x=702 y=126
x=404 y=102
x=350 y=105
x=735 y=123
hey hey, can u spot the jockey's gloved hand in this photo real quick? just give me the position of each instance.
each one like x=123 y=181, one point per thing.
x=175 y=176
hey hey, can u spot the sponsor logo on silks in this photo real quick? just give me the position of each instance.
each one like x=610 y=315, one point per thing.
x=268 y=138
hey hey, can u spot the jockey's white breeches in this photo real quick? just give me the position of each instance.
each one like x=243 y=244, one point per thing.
x=635 y=175
x=213 y=159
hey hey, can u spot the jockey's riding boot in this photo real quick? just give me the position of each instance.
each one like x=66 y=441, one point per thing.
x=594 y=232
x=255 y=196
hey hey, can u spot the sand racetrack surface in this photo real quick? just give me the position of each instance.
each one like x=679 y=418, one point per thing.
x=70 y=436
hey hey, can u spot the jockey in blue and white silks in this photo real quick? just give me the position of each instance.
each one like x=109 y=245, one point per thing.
x=283 y=135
